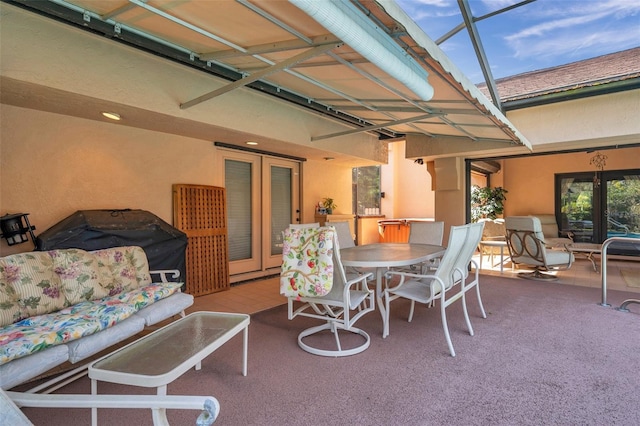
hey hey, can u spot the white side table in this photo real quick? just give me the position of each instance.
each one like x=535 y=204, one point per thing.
x=494 y=243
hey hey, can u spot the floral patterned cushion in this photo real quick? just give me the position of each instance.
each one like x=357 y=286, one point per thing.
x=37 y=288
x=37 y=333
x=9 y=309
x=79 y=275
x=83 y=319
x=143 y=297
x=307 y=262
x=123 y=268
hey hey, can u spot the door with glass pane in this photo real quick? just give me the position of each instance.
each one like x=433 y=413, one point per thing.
x=597 y=206
x=281 y=206
x=262 y=199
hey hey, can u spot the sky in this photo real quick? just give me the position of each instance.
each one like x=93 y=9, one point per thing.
x=538 y=35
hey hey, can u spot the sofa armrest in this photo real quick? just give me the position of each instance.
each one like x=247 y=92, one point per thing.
x=173 y=273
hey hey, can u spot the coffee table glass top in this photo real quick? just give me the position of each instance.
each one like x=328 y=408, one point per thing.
x=166 y=349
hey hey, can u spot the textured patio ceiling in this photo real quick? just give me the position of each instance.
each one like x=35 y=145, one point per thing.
x=368 y=65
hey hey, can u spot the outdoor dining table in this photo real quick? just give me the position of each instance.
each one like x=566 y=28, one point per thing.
x=382 y=256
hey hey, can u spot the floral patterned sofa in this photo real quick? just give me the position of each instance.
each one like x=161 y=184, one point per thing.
x=66 y=305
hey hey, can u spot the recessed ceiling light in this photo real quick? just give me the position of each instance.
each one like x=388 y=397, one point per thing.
x=112 y=115
x=252 y=143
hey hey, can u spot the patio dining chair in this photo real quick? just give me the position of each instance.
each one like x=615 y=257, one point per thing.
x=526 y=243
x=422 y=232
x=304 y=225
x=314 y=281
x=449 y=283
x=345 y=238
x=344 y=234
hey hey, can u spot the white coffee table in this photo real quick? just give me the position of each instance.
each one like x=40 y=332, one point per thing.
x=164 y=355
x=587 y=249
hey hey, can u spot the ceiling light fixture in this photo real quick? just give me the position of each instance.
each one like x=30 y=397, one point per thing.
x=111 y=115
x=252 y=143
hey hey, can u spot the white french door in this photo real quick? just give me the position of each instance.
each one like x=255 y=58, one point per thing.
x=262 y=199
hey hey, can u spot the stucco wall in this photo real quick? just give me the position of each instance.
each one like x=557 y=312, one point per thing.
x=581 y=122
x=326 y=179
x=411 y=196
x=53 y=165
x=530 y=180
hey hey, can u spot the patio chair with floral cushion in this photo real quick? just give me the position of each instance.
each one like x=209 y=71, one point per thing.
x=314 y=281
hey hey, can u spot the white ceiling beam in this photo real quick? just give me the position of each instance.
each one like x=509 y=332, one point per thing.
x=282 y=46
x=261 y=74
x=373 y=127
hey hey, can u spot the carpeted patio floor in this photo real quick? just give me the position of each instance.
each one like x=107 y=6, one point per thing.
x=547 y=354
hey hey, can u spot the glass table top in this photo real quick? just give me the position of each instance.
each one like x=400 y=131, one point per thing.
x=169 y=347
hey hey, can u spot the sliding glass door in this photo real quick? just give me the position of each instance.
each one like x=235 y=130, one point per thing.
x=597 y=206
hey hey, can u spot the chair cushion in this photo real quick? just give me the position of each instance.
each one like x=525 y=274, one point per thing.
x=37 y=288
x=90 y=345
x=558 y=257
x=165 y=308
x=40 y=332
x=79 y=275
x=548 y=225
x=20 y=370
x=9 y=309
x=123 y=268
x=307 y=262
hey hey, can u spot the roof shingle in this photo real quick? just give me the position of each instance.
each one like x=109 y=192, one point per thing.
x=609 y=68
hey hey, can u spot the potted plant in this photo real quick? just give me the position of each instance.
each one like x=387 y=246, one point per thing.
x=487 y=202
x=329 y=205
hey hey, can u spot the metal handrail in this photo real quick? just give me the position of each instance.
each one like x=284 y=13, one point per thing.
x=603 y=262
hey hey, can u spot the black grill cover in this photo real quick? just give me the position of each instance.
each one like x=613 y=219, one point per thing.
x=164 y=245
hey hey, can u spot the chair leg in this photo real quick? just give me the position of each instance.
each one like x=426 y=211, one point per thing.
x=411 y=310
x=445 y=327
x=466 y=312
x=538 y=275
x=333 y=327
x=334 y=330
x=484 y=314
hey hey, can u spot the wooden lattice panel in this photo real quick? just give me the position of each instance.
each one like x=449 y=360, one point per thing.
x=200 y=212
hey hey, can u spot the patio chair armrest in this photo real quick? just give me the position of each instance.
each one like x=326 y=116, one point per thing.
x=163 y=273
x=495 y=238
x=359 y=278
x=182 y=402
x=390 y=273
x=404 y=276
x=475 y=264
